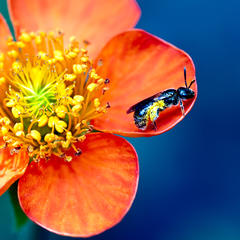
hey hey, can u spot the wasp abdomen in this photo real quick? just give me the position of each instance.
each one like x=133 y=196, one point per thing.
x=141 y=116
x=148 y=112
x=140 y=122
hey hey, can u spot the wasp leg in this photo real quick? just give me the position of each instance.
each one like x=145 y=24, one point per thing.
x=182 y=107
x=154 y=126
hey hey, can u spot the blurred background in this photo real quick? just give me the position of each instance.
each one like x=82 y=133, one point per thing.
x=189 y=185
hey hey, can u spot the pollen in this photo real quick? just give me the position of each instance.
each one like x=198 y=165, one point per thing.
x=51 y=93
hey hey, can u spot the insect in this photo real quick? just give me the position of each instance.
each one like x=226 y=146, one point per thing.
x=147 y=111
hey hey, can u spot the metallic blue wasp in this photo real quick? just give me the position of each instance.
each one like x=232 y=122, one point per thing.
x=147 y=111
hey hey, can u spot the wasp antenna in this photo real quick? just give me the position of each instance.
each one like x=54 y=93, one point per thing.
x=191 y=83
x=185 y=76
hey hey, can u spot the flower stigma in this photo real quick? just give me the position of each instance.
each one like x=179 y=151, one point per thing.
x=48 y=94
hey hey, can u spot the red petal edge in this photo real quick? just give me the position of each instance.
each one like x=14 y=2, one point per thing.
x=93 y=20
x=4 y=33
x=140 y=65
x=12 y=167
x=86 y=196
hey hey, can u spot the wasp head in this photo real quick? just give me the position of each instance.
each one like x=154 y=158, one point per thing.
x=185 y=93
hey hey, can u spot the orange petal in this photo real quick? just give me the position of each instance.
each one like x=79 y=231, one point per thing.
x=93 y=20
x=86 y=196
x=12 y=167
x=140 y=65
x=4 y=33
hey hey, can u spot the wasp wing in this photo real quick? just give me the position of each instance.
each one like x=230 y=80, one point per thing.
x=145 y=101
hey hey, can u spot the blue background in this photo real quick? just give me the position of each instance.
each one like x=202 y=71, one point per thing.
x=189 y=181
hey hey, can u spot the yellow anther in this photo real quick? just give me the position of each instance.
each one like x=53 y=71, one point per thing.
x=16 y=111
x=84 y=122
x=68 y=135
x=49 y=137
x=42 y=34
x=16 y=144
x=71 y=55
x=4 y=130
x=13 y=53
x=84 y=67
x=52 y=61
x=30 y=148
x=61 y=111
x=52 y=121
x=70 y=77
x=51 y=34
x=60 y=126
x=43 y=148
x=83 y=50
x=91 y=87
x=72 y=39
x=11 y=44
x=16 y=66
x=78 y=98
x=58 y=55
x=100 y=81
x=9 y=39
x=5 y=121
x=43 y=55
x=81 y=138
x=20 y=44
x=84 y=59
x=7 y=138
x=38 y=40
x=1 y=65
x=68 y=158
x=96 y=102
x=42 y=121
x=20 y=134
x=69 y=100
x=2 y=57
x=77 y=69
x=65 y=144
x=11 y=103
x=25 y=37
x=105 y=89
x=77 y=108
x=2 y=80
x=35 y=135
x=18 y=127
x=76 y=50
x=32 y=34
x=94 y=75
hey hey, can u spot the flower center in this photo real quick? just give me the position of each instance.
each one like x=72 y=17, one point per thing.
x=49 y=94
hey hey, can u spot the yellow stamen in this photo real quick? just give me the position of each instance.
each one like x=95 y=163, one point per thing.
x=78 y=98
x=36 y=135
x=61 y=111
x=42 y=120
x=53 y=93
x=91 y=87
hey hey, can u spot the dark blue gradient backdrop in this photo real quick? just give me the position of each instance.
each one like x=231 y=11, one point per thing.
x=189 y=185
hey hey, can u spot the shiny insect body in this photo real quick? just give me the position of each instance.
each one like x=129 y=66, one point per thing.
x=147 y=111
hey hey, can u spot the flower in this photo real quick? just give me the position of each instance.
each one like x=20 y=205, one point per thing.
x=55 y=94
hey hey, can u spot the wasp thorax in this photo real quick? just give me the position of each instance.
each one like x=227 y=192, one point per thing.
x=52 y=93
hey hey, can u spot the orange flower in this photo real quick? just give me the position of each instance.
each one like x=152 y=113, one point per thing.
x=54 y=93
